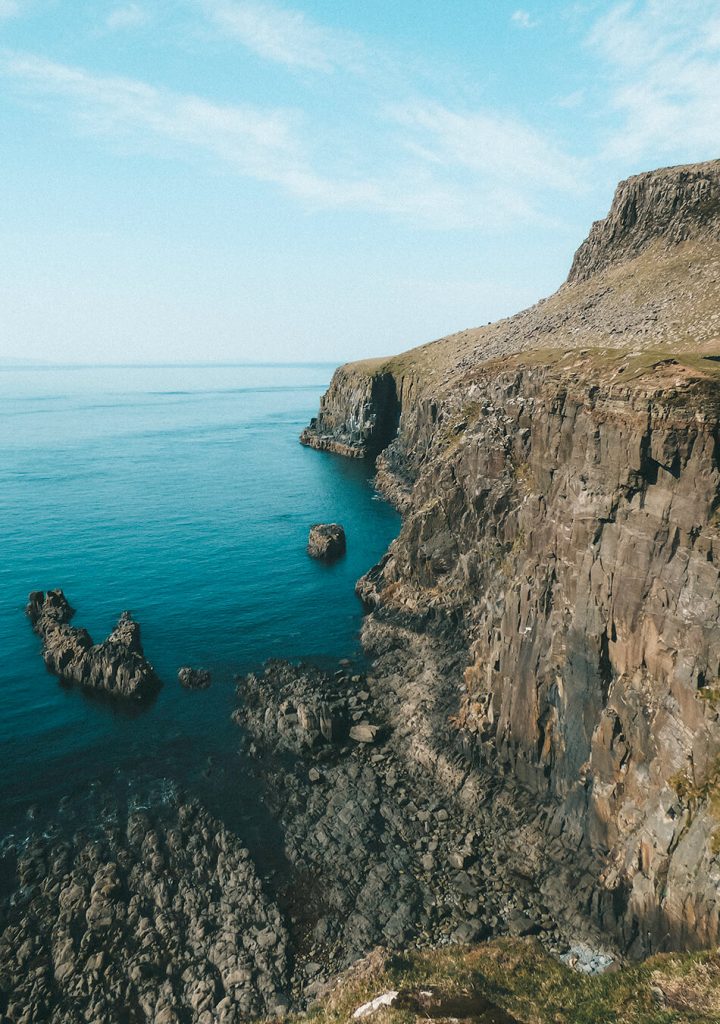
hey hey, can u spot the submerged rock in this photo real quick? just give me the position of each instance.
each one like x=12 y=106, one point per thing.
x=326 y=540
x=194 y=678
x=116 y=666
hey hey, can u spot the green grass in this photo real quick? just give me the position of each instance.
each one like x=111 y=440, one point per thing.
x=521 y=978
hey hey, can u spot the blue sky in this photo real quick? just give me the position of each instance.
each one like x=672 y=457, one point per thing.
x=228 y=180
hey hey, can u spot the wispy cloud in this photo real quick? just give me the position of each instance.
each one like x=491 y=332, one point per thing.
x=500 y=148
x=571 y=100
x=663 y=66
x=9 y=9
x=523 y=19
x=436 y=166
x=259 y=142
x=285 y=36
x=127 y=17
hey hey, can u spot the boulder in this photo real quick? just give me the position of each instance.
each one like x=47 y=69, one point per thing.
x=326 y=541
x=364 y=732
x=117 y=666
x=194 y=678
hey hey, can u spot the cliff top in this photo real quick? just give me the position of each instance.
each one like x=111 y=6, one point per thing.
x=669 y=206
x=517 y=981
x=646 y=277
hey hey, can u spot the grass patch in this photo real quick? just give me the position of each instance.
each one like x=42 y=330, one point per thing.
x=693 y=791
x=518 y=976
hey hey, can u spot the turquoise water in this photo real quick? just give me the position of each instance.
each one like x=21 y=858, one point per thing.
x=182 y=494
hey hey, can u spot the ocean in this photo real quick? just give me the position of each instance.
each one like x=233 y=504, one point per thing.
x=182 y=494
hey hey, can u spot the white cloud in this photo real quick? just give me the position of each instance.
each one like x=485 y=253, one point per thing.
x=522 y=19
x=663 y=68
x=259 y=142
x=571 y=100
x=500 y=148
x=285 y=36
x=440 y=168
x=9 y=9
x=128 y=16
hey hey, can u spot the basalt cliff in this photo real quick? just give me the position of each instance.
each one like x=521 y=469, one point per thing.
x=548 y=620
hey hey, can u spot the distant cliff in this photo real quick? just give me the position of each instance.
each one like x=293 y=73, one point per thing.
x=559 y=561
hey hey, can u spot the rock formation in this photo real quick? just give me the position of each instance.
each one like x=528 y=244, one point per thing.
x=159 y=917
x=555 y=592
x=326 y=541
x=390 y=853
x=532 y=746
x=117 y=666
x=194 y=678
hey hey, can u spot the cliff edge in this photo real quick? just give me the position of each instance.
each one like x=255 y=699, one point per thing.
x=549 y=613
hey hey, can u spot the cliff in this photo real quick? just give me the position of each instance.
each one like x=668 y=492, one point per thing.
x=549 y=612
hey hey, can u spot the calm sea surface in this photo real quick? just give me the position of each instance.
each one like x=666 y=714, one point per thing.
x=182 y=494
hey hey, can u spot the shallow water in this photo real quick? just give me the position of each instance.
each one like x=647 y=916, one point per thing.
x=182 y=494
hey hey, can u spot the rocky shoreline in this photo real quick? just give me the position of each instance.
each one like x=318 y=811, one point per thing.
x=533 y=747
x=164 y=909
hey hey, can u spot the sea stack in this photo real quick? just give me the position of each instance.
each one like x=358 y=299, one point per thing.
x=326 y=541
x=117 y=666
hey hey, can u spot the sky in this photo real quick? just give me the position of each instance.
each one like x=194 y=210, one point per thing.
x=323 y=180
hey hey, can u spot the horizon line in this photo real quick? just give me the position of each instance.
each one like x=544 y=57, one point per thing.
x=39 y=365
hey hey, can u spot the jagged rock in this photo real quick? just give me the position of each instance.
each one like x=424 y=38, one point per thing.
x=326 y=541
x=359 y=415
x=291 y=708
x=668 y=206
x=117 y=666
x=159 y=913
x=194 y=678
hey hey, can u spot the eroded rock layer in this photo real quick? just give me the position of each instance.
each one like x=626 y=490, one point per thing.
x=561 y=525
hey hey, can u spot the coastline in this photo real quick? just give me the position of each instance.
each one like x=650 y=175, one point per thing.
x=530 y=754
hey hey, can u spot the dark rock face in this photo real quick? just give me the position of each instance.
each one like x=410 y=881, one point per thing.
x=117 y=666
x=570 y=528
x=561 y=536
x=160 y=917
x=668 y=206
x=326 y=541
x=194 y=678
x=358 y=416
x=387 y=849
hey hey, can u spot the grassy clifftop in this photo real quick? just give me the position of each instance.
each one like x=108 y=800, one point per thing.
x=647 y=277
x=525 y=984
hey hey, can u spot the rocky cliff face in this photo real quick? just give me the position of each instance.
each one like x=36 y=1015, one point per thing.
x=561 y=539
x=358 y=417
x=667 y=207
